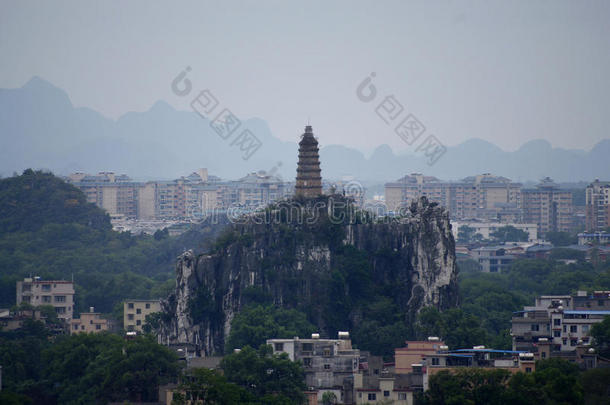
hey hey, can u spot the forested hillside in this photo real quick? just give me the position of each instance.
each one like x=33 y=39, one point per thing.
x=48 y=229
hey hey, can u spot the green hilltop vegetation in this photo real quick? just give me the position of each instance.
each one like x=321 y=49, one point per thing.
x=48 y=229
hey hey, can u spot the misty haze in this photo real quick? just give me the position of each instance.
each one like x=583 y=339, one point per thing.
x=345 y=202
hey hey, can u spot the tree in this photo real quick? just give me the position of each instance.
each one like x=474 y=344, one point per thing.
x=255 y=324
x=559 y=379
x=98 y=368
x=465 y=234
x=329 y=398
x=458 y=329
x=509 y=233
x=272 y=379
x=561 y=238
x=596 y=386
x=204 y=386
x=468 y=386
x=601 y=337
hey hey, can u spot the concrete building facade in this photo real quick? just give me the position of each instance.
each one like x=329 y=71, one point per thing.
x=597 y=206
x=57 y=293
x=549 y=207
x=89 y=322
x=135 y=311
x=562 y=320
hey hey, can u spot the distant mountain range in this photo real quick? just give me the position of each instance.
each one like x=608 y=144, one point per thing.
x=40 y=128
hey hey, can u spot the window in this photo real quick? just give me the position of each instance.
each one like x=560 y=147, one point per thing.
x=130 y=317
x=564 y=341
x=130 y=305
x=138 y=322
x=279 y=347
x=46 y=298
x=573 y=328
x=386 y=393
x=372 y=397
x=535 y=327
x=402 y=396
x=60 y=310
x=60 y=298
x=557 y=322
x=600 y=303
x=307 y=361
x=585 y=328
x=327 y=367
x=147 y=305
x=130 y=328
x=543 y=354
x=98 y=327
x=435 y=361
x=82 y=327
x=75 y=327
x=572 y=342
x=307 y=347
x=565 y=328
x=138 y=311
x=556 y=333
x=528 y=369
x=46 y=287
x=326 y=351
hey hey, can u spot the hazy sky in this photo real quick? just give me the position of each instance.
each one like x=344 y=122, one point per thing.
x=507 y=72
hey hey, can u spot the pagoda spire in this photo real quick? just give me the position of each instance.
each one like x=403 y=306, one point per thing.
x=309 y=180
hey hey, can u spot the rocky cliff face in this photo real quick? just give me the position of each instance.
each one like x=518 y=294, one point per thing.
x=313 y=256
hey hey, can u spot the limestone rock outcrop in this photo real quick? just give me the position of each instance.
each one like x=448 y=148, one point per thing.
x=290 y=255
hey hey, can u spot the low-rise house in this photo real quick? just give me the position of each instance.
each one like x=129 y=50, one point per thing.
x=89 y=322
x=414 y=352
x=330 y=365
x=477 y=357
x=493 y=259
x=135 y=311
x=562 y=321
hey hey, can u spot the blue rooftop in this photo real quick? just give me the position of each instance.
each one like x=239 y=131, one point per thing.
x=493 y=350
x=586 y=312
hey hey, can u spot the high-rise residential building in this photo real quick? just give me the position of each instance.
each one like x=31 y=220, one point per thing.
x=548 y=206
x=414 y=186
x=118 y=195
x=309 y=180
x=186 y=198
x=135 y=311
x=487 y=197
x=57 y=293
x=483 y=196
x=598 y=206
x=254 y=190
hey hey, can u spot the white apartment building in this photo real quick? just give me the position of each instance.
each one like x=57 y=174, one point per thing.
x=57 y=293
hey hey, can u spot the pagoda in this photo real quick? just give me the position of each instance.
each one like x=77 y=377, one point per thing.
x=309 y=180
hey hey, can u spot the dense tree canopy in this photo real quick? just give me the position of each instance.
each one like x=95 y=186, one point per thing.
x=272 y=379
x=601 y=336
x=509 y=234
x=255 y=324
x=82 y=368
x=555 y=382
x=48 y=229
